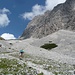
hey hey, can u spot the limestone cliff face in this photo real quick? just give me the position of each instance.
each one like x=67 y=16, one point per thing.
x=61 y=17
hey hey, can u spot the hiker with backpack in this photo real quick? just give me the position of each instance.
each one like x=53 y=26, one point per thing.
x=21 y=54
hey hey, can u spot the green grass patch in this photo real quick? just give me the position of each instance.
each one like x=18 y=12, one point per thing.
x=49 y=46
x=12 y=66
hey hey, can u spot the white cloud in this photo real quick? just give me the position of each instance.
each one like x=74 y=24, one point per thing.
x=4 y=20
x=39 y=9
x=51 y=3
x=36 y=10
x=4 y=10
x=8 y=36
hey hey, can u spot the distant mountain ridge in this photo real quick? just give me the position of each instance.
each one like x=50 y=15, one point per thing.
x=61 y=17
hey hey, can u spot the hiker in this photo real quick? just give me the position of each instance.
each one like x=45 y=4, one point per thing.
x=21 y=53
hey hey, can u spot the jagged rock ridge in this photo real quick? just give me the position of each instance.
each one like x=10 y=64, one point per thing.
x=61 y=17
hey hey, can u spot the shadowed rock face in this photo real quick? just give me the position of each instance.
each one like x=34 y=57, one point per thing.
x=61 y=17
x=70 y=4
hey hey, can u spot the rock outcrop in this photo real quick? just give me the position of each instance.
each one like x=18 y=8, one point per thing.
x=61 y=17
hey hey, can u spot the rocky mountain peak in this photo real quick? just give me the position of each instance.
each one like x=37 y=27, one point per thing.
x=61 y=17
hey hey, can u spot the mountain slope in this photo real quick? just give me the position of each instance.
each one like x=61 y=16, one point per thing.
x=63 y=38
x=65 y=52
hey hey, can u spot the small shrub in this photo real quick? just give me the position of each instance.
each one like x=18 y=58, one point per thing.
x=40 y=74
x=10 y=43
x=55 y=73
x=50 y=41
x=9 y=48
x=49 y=46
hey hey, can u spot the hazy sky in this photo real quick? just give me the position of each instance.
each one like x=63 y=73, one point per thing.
x=16 y=14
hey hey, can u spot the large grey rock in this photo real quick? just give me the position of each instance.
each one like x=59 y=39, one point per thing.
x=5 y=46
x=61 y=17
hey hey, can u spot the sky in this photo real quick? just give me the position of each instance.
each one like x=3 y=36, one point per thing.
x=16 y=14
